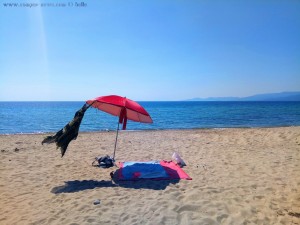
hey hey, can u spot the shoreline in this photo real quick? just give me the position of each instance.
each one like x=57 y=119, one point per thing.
x=153 y=130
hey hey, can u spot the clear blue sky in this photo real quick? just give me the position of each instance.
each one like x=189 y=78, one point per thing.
x=149 y=50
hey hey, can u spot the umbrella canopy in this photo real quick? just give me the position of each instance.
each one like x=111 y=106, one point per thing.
x=122 y=107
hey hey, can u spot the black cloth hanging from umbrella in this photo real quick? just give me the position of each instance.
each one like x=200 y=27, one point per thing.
x=70 y=132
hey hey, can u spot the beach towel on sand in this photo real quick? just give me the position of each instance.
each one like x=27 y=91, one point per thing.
x=161 y=170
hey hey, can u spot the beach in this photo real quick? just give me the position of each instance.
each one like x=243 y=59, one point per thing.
x=239 y=176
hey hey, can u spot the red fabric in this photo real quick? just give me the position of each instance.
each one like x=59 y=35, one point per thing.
x=120 y=102
x=122 y=107
x=123 y=118
x=120 y=175
x=174 y=171
x=124 y=123
x=122 y=115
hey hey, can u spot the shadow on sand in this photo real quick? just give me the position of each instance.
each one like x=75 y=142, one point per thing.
x=81 y=185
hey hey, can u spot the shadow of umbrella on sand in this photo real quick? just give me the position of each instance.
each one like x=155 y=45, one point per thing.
x=123 y=108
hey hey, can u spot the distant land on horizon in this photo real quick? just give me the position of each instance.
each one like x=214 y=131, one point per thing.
x=282 y=96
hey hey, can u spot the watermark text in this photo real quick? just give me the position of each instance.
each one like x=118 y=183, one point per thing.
x=45 y=4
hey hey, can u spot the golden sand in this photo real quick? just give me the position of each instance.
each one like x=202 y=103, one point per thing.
x=240 y=176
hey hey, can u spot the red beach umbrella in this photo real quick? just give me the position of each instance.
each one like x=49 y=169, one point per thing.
x=122 y=107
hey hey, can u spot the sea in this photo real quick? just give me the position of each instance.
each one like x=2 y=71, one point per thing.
x=44 y=117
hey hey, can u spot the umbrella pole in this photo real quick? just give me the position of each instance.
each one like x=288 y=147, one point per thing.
x=116 y=142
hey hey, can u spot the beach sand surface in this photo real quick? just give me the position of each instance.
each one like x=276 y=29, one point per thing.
x=239 y=176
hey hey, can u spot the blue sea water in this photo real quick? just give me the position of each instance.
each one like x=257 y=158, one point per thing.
x=40 y=117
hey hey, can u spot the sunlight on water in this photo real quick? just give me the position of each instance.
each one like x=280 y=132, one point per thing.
x=37 y=117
